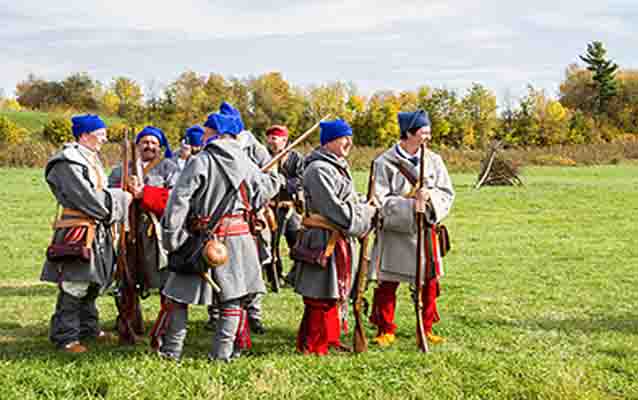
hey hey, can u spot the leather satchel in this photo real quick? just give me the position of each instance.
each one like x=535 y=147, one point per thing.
x=444 y=239
x=68 y=252
x=187 y=259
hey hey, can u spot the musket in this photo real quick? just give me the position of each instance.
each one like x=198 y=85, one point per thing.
x=418 y=298
x=292 y=145
x=360 y=341
x=129 y=320
x=136 y=249
x=276 y=257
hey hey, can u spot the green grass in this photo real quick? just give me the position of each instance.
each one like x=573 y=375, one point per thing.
x=539 y=301
x=34 y=121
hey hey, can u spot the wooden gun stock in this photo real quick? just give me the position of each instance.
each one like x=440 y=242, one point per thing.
x=360 y=340
x=130 y=324
x=418 y=283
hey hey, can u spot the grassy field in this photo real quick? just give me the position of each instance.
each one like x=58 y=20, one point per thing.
x=34 y=121
x=539 y=300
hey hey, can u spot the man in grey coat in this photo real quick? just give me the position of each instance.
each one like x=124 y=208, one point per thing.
x=258 y=154
x=325 y=257
x=81 y=257
x=222 y=166
x=394 y=251
x=160 y=174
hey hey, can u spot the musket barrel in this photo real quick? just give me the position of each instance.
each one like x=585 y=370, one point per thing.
x=292 y=145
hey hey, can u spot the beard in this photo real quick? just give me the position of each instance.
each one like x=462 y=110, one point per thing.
x=149 y=154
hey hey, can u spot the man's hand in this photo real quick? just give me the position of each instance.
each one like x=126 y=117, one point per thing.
x=129 y=198
x=136 y=187
x=420 y=199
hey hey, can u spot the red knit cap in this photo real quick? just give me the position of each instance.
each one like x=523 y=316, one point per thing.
x=277 y=130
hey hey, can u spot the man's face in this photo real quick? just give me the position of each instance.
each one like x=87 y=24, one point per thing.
x=340 y=147
x=149 y=148
x=276 y=143
x=95 y=139
x=195 y=149
x=422 y=136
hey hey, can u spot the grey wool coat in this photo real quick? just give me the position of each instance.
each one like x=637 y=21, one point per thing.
x=74 y=176
x=393 y=255
x=163 y=175
x=199 y=190
x=329 y=191
x=256 y=151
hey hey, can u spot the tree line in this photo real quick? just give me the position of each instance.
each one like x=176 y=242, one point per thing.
x=597 y=101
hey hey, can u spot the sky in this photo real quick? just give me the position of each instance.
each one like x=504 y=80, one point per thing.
x=376 y=45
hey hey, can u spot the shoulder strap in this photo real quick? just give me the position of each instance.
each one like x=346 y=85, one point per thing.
x=150 y=166
x=405 y=172
x=243 y=190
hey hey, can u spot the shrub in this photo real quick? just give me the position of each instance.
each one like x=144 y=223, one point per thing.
x=58 y=131
x=11 y=133
x=10 y=105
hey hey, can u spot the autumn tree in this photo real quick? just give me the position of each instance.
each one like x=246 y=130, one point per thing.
x=37 y=93
x=479 y=107
x=130 y=95
x=78 y=92
x=274 y=101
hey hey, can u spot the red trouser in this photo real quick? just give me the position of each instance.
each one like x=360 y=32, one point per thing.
x=384 y=304
x=319 y=329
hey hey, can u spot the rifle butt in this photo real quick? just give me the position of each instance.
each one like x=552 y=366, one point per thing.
x=418 y=301
x=360 y=344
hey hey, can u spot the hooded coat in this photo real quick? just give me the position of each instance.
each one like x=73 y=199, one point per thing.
x=199 y=190
x=76 y=178
x=395 y=244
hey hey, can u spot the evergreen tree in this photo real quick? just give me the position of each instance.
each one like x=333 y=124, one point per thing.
x=603 y=71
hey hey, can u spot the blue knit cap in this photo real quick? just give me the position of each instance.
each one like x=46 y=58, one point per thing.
x=86 y=124
x=416 y=119
x=157 y=133
x=331 y=130
x=227 y=109
x=226 y=121
x=194 y=135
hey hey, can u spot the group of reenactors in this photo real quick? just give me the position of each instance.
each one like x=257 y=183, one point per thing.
x=225 y=188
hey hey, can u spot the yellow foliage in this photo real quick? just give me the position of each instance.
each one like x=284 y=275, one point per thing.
x=10 y=105
x=11 y=133
x=555 y=110
x=110 y=102
x=58 y=130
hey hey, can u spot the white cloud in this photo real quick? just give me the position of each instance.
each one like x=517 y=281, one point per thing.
x=376 y=44
x=219 y=19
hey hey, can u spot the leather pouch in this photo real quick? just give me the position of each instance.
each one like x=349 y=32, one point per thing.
x=309 y=256
x=68 y=252
x=444 y=239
